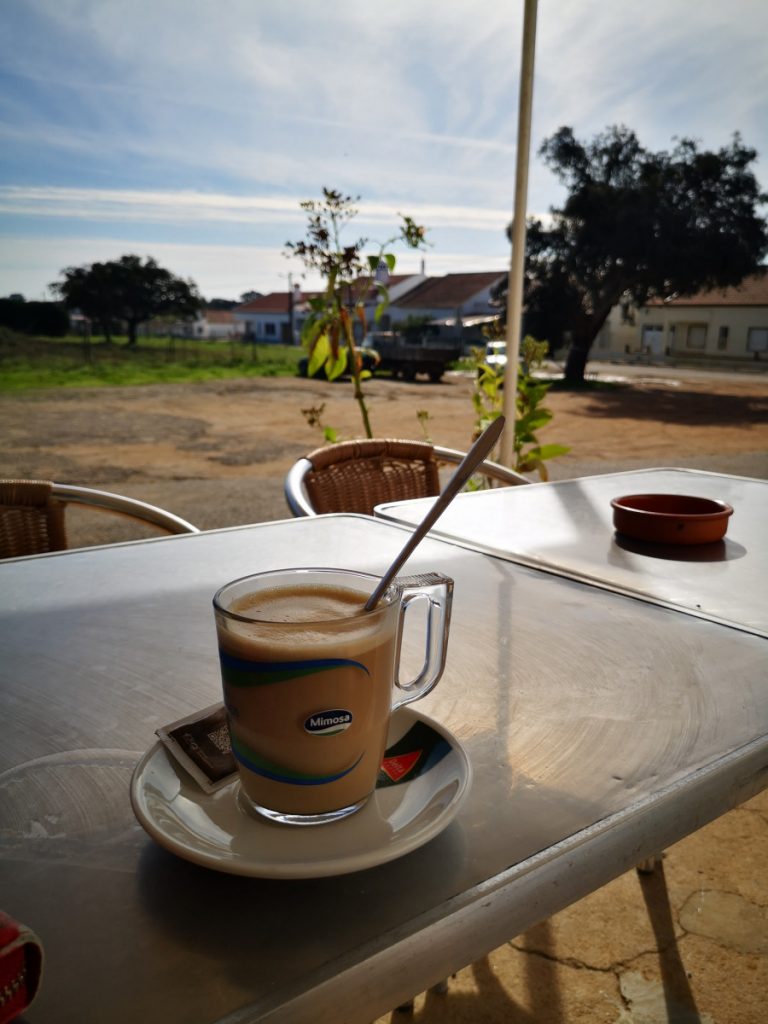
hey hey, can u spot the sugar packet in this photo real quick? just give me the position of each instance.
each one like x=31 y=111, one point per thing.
x=201 y=745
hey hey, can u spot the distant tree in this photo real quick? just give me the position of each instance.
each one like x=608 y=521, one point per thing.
x=127 y=290
x=46 y=318
x=93 y=290
x=250 y=296
x=637 y=225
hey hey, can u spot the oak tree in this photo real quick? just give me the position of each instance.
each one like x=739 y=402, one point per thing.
x=637 y=225
x=127 y=291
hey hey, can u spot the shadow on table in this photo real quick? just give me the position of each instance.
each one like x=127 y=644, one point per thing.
x=719 y=551
x=258 y=919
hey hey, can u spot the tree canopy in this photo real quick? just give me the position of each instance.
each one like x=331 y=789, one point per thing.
x=637 y=225
x=127 y=290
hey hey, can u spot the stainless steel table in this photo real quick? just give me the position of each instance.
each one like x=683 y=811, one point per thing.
x=566 y=527
x=600 y=727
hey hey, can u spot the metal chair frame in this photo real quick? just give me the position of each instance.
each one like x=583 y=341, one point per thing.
x=32 y=514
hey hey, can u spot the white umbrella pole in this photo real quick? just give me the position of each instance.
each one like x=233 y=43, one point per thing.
x=517 y=261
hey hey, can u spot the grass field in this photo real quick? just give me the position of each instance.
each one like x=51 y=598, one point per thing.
x=33 y=362
x=28 y=362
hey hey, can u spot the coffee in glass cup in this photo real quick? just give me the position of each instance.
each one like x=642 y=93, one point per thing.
x=311 y=678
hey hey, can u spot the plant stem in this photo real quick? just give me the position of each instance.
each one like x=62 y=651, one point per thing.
x=358 y=391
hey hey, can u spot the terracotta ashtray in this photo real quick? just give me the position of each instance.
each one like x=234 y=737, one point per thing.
x=671 y=518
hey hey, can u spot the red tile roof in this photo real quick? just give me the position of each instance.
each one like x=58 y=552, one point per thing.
x=275 y=302
x=219 y=316
x=449 y=291
x=753 y=291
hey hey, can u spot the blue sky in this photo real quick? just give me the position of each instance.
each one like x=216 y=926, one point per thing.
x=190 y=130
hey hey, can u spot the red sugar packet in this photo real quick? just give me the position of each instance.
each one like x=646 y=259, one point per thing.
x=21 y=967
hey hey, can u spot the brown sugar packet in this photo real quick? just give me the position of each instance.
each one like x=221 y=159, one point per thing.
x=200 y=743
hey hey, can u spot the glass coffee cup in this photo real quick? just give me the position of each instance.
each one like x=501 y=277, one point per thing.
x=311 y=679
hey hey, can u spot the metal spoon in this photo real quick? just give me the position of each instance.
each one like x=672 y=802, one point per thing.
x=463 y=472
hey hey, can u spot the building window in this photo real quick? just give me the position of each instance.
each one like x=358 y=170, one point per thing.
x=757 y=339
x=269 y=330
x=722 y=339
x=696 y=336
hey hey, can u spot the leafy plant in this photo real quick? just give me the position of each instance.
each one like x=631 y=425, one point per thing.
x=531 y=415
x=328 y=332
x=422 y=415
x=314 y=417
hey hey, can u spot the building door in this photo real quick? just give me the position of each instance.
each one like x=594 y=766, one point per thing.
x=653 y=340
x=696 y=336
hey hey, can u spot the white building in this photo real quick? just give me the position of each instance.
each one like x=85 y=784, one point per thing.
x=727 y=327
x=210 y=325
x=450 y=296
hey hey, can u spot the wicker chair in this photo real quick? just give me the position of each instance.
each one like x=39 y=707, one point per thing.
x=355 y=476
x=32 y=514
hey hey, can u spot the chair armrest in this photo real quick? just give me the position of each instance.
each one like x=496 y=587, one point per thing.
x=122 y=505
x=295 y=494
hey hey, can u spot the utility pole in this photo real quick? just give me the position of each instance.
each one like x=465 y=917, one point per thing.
x=291 y=311
x=517 y=262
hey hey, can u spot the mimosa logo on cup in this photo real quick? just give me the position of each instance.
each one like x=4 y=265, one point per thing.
x=328 y=723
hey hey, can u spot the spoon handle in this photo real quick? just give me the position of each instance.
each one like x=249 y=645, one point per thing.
x=482 y=447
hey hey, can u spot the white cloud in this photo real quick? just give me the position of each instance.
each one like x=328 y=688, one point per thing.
x=188 y=207
x=214 y=120
x=29 y=265
x=219 y=270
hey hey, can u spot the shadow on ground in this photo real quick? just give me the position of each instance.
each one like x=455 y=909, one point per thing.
x=689 y=408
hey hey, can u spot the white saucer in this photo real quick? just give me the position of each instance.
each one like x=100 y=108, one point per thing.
x=213 y=830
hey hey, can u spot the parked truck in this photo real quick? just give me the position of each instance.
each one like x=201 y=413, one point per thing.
x=406 y=355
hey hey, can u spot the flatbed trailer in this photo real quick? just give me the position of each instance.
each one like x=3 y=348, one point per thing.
x=406 y=356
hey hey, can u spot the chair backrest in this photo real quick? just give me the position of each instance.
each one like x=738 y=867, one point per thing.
x=31 y=519
x=355 y=476
x=32 y=514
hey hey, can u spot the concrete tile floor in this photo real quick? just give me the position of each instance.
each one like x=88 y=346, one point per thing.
x=687 y=944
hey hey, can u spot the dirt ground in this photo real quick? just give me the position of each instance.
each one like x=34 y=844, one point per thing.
x=217 y=453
